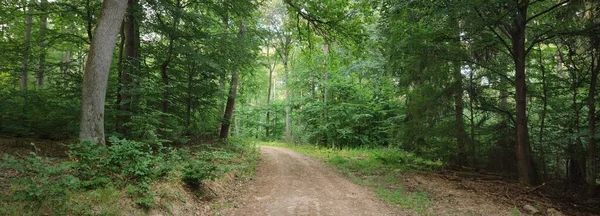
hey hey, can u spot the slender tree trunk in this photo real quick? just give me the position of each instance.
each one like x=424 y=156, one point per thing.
x=543 y=114
x=26 y=49
x=229 y=109
x=95 y=78
x=458 y=115
x=288 y=100
x=118 y=122
x=326 y=88
x=268 y=120
x=576 y=162
x=223 y=76
x=525 y=166
x=42 y=44
x=165 y=65
x=591 y=171
x=472 y=118
x=227 y=118
x=129 y=65
x=592 y=149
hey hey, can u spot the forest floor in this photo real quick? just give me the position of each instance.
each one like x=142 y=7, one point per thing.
x=290 y=183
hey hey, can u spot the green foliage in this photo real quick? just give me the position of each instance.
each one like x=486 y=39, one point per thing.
x=40 y=180
x=202 y=168
x=99 y=176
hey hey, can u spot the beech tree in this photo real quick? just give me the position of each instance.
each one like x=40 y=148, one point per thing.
x=97 y=68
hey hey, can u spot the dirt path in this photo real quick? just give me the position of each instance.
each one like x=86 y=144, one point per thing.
x=289 y=183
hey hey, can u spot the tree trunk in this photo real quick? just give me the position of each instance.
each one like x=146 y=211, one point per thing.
x=165 y=65
x=268 y=120
x=288 y=100
x=26 y=49
x=223 y=76
x=130 y=64
x=224 y=134
x=227 y=118
x=458 y=115
x=118 y=122
x=42 y=44
x=326 y=88
x=543 y=115
x=592 y=150
x=472 y=118
x=525 y=167
x=95 y=78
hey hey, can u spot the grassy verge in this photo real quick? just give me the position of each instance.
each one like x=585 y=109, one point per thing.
x=126 y=178
x=379 y=168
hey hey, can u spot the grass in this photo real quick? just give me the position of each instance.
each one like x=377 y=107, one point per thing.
x=378 y=168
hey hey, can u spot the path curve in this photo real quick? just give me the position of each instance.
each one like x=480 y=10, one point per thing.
x=289 y=183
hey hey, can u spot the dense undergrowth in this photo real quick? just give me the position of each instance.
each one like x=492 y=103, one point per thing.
x=379 y=168
x=106 y=180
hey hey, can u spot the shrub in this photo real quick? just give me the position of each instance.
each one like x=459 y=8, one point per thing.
x=203 y=167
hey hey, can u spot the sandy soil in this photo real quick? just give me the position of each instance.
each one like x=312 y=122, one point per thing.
x=289 y=183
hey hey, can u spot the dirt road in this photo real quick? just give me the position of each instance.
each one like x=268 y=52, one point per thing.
x=289 y=183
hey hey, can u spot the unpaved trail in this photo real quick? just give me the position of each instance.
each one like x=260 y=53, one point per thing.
x=289 y=183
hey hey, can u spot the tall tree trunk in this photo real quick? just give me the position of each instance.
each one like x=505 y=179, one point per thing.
x=165 y=65
x=223 y=76
x=525 y=166
x=229 y=109
x=592 y=149
x=26 y=48
x=458 y=115
x=42 y=44
x=472 y=117
x=95 y=78
x=576 y=162
x=227 y=118
x=118 y=122
x=268 y=120
x=325 y=114
x=288 y=100
x=129 y=65
x=543 y=114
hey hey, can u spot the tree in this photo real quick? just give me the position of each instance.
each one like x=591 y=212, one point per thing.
x=233 y=88
x=42 y=44
x=509 y=27
x=595 y=70
x=129 y=64
x=26 y=46
x=97 y=70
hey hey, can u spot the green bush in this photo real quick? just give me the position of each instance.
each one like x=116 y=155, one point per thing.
x=202 y=167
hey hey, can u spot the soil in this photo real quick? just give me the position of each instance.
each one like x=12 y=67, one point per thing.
x=289 y=183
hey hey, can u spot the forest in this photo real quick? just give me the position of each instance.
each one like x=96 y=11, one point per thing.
x=116 y=96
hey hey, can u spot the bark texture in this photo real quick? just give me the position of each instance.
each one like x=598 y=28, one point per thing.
x=97 y=69
x=525 y=167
